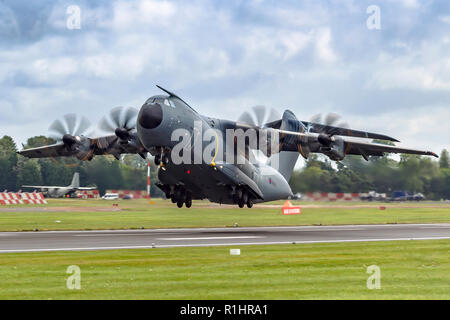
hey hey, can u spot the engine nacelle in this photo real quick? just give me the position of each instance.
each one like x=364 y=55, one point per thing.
x=334 y=148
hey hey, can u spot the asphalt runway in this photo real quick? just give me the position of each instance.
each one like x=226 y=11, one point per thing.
x=166 y=238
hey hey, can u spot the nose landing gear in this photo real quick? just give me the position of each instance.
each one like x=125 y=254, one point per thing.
x=162 y=157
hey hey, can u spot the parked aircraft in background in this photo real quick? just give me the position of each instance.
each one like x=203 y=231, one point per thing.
x=58 y=192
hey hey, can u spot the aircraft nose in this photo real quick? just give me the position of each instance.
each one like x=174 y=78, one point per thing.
x=151 y=116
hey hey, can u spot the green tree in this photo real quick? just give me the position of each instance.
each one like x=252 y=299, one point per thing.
x=444 y=159
x=38 y=141
x=29 y=172
x=104 y=172
x=8 y=163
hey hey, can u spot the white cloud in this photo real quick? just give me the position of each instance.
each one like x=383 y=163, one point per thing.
x=445 y=19
x=422 y=67
x=323 y=45
x=144 y=13
x=226 y=57
x=410 y=4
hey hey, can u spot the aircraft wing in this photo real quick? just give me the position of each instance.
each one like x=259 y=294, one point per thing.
x=55 y=150
x=318 y=128
x=350 y=145
x=85 y=148
x=375 y=149
x=339 y=131
x=86 y=188
x=41 y=187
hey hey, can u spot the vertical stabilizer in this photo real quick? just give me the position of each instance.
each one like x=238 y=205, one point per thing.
x=75 y=181
x=285 y=161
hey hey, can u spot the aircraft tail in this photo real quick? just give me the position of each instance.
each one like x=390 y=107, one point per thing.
x=75 y=180
x=285 y=161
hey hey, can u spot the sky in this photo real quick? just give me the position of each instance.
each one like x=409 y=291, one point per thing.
x=223 y=57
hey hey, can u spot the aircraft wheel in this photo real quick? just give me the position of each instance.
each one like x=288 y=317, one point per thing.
x=188 y=203
x=180 y=204
x=173 y=199
x=165 y=159
x=241 y=203
x=249 y=203
x=244 y=196
x=239 y=193
x=179 y=195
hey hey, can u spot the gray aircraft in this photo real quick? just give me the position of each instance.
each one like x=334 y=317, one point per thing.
x=58 y=192
x=209 y=158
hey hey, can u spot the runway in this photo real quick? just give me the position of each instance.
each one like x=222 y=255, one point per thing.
x=167 y=238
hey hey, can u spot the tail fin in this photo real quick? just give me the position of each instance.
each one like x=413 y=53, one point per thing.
x=285 y=161
x=75 y=180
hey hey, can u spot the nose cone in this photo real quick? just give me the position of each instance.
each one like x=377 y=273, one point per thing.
x=151 y=116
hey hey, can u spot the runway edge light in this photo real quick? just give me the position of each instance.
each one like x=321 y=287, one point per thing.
x=289 y=209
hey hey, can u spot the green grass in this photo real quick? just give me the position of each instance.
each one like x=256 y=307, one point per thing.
x=163 y=214
x=409 y=270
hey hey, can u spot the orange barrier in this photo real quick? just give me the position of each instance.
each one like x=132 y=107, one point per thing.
x=88 y=194
x=289 y=209
x=327 y=196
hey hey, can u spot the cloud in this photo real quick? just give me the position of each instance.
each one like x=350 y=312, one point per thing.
x=445 y=19
x=323 y=45
x=224 y=57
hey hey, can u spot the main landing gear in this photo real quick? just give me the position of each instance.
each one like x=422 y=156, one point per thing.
x=241 y=197
x=181 y=197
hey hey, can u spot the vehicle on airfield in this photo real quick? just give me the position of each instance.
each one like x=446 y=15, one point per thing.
x=111 y=196
x=407 y=196
x=59 y=192
x=229 y=162
x=373 y=196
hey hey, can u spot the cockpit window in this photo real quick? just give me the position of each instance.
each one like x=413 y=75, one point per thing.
x=161 y=101
x=173 y=102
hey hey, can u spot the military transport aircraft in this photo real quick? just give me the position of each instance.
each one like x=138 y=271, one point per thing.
x=208 y=158
x=58 y=192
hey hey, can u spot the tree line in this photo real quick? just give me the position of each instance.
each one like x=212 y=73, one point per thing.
x=353 y=174
x=382 y=174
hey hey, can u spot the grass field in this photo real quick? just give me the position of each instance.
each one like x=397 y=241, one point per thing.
x=97 y=214
x=409 y=270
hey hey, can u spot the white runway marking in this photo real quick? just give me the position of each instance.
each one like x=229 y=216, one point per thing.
x=437 y=227
x=218 y=244
x=210 y=238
